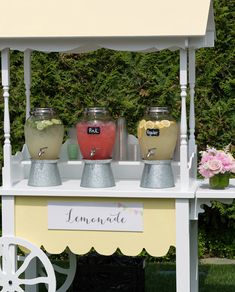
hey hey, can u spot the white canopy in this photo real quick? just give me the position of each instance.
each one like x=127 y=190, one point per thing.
x=84 y=25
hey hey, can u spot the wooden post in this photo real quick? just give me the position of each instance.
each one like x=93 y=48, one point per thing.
x=192 y=144
x=194 y=256
x=7 y=182
x=27 y=80
x=8 y=227
x=184 y=173
x=182 y=246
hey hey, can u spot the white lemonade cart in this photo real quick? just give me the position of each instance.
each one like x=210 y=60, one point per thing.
x=154 y=219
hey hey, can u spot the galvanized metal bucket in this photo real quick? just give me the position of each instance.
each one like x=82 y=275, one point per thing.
x=44 y=173
x=157 y=174
x=97 y=174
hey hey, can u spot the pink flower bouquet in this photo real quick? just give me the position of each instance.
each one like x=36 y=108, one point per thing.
x=215 y=161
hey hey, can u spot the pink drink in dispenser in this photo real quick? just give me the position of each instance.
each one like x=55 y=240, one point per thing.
x=96 y=134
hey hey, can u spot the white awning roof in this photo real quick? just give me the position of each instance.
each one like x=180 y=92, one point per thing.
x=87 y=20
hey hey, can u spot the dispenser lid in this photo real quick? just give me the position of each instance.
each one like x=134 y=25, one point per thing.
x=157 y=109
x=43 y=111
x=94 y=110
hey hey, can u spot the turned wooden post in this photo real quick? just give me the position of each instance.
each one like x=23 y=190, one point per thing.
x=184 y=173
x=191 y=68
x=27 y=80
x=5 y=54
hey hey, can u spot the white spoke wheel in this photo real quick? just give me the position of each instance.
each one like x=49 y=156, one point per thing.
x=67 y=269
x=12 y=275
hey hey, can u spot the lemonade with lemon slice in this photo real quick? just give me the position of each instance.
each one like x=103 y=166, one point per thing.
x=44 y=130
x=157 y=133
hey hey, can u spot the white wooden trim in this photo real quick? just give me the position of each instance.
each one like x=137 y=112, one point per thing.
x=27 y=80
x=184 y=173
x=7 y=144
x=182 y=246
x=8 y=223
x=123 y=189
x=8 y=216
x=194 y=256
x=191 y=69
x=82 y=44
x=196 y=207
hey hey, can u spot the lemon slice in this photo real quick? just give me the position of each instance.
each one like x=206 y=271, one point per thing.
x=149 y=125
x=160 y=126
x=157 y=124
x=48 y=123
x=40 y=126
x=165 y=123
x=142 y=124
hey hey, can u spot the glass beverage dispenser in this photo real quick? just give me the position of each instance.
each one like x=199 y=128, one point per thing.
x=96 y=137
x=44 y=133
x=157 y=134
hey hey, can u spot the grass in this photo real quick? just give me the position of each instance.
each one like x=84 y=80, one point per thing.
x=212 y=278
x=160 y=277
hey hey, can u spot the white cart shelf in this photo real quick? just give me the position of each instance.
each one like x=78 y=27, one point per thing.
x=123 y=189
x=204 y=191
x=127 y=176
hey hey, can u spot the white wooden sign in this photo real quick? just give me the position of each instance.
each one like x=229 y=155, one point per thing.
x=95 y=216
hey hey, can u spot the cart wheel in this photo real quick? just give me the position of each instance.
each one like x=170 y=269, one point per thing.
x=12 y=272
x=68 y=271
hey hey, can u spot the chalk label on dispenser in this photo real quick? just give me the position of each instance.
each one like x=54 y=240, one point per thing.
x=93 y=130
x=153 y=132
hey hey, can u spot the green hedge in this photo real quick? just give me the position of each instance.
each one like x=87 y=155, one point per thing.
x=126 y=83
